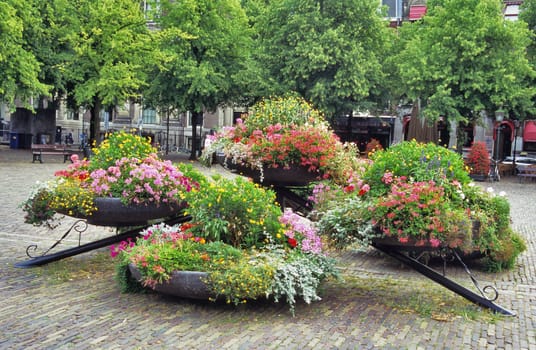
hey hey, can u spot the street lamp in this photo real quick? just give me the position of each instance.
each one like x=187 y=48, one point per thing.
x=516 y=125
x=499 y=117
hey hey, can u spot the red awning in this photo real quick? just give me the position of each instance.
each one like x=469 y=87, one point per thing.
x=416 y=12
x=529 y=132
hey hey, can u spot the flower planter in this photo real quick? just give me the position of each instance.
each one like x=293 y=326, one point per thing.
x=410 y=245
x=295 y=175
x=184 y=284
x=112 y=212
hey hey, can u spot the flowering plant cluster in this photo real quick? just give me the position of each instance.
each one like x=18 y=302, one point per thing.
x=235 y=211
x=415 y=210
x=136 y=181
x=239 y=237
x=141 y=181
x=418 y=194
x=280 y=132
x=478 y=159
x=119 y=145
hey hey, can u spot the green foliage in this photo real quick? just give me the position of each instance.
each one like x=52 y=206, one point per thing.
x=527 y=14
x=120 y=145
x=300 y=277
x=237 y=275
x=108 y=49
x=347 y=223
x=19 y=66
x=418 y=194
x=192 y=173
x=454 y=60
x=123 y=277
x=415 y=160
x=286 y=111
x=330 y=52
x=235 y=211
x=37 y=207
x=494 y=235
x=204 y=45
x=240 y=280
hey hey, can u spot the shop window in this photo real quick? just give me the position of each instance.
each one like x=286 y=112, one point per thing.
x=149 y=116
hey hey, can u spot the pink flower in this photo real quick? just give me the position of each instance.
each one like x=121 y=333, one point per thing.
x=387 y=178
x=435 y=242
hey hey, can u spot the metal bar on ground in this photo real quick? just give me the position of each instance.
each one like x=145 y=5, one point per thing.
x=442 y=280
x=48 y=258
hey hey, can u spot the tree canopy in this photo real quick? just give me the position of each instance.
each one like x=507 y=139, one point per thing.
x=109 y=48
x=19 y=67
x=464 y=57
x=205 y=45
x=330 y=52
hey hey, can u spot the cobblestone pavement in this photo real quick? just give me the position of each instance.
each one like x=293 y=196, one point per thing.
x=89 y=312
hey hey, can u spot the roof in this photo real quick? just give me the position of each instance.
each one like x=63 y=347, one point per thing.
x=416 y=12
x=529 y=132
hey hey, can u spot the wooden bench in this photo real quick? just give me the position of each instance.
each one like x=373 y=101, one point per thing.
x=526 y=172
x=39 y=150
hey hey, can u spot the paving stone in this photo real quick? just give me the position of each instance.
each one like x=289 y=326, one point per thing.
x=91 y=313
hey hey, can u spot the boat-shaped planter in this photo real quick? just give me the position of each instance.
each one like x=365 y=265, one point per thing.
x=112 y=212
x=183 y=284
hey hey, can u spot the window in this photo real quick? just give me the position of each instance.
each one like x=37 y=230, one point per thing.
x=151 y=9
x=149 y=116
x=511 y=11
x=394 y=8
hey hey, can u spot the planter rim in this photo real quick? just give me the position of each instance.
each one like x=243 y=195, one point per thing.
x=184 y=284
x=294 y=175
x=112 y=212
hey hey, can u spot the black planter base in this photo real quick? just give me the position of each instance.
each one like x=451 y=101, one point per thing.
x=183 y=284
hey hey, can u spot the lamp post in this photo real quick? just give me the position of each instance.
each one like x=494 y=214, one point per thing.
x=516 y=126
x=499 y=117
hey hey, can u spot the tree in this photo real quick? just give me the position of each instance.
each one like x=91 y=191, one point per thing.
x=110 y=50
x=330 y=52
x=19 y=68
x=464 y=57
x=205 y=46
x=528 y=15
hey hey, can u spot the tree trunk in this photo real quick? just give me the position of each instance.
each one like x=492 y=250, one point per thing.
x=167 y=131
x=197 y=118
x=94 y=124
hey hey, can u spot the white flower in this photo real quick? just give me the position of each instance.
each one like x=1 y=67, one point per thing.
x=502 y=194
x=490 y=190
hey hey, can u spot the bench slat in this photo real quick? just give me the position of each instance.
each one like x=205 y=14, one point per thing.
x=39 y=149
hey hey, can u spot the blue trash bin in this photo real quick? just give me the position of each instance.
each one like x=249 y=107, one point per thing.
x=14 y=140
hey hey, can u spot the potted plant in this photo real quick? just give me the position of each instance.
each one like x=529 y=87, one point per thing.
x=239 y=245
x=478 y=161
x=124 y=184
x=418 y=196
x=279 y=133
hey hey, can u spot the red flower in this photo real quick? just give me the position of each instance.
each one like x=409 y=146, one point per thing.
x=293 y=243
x=349 y=188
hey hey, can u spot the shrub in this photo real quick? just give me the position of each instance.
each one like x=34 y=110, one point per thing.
x=478 y=159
